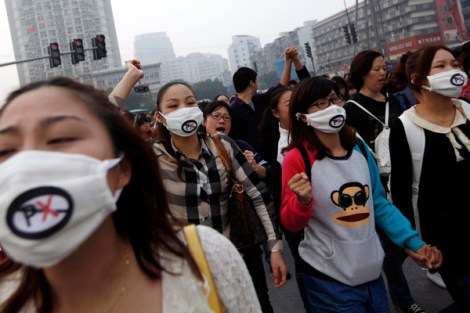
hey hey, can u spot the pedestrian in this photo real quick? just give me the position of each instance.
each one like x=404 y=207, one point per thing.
x=197 y=182
x=333 y=192
x=431 y=138
x=84 y=218
x=248 y=105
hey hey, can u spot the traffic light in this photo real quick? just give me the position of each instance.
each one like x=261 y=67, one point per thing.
x=347 y=36
x=353 y=32
x=308 y=49
x=100 y=43
x=78 y=53
x=54 y=54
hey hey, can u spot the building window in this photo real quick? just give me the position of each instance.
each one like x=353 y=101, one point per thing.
x=445 y=8
x=447 y=21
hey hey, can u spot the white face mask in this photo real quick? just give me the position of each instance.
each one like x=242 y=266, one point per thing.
x=183 y=122
x=447 y=83
x=50 y=203
x=329 y=120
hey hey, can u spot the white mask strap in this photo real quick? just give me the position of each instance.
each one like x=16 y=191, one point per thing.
x=117 y=194
x=113 y=162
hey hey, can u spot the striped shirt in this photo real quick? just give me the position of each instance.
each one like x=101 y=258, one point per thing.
x=199 y=194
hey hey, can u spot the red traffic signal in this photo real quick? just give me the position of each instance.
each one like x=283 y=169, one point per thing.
x=54 y=54
x=100 y=43
x=78 y=53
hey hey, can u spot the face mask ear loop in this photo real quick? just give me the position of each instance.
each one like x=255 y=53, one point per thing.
x=113 y=162
x=426 y=88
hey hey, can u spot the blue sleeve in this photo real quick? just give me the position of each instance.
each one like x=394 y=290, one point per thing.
x=387 y=216
x=246 y=146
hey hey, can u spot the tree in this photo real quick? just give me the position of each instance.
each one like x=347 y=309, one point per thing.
x=208 y=89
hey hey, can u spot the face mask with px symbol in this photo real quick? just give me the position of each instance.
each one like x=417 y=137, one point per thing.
x=50 y=203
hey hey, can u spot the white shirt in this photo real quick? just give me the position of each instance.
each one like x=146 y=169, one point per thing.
x=283 y=142
x=184 y=292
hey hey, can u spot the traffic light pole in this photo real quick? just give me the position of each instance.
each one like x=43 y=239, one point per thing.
x=23 y=61
x=41 y=58
x=313 y=66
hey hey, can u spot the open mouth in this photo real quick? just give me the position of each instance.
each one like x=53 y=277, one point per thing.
x=220 y=129
x=354 y=217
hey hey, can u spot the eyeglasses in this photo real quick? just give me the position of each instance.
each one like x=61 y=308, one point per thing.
x=359 y=198
x=323 y=103
x=218 y=117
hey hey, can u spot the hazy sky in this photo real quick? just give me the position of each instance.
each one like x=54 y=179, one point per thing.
x=192 y=26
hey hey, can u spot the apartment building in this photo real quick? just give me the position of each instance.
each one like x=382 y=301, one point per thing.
x=241 y=50
x=36 y=24
x=390 y=26
x=153 y=47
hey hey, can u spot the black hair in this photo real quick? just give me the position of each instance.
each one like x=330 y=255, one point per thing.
x=361 y=66
x=307 y=92
x=242 y=78
x=143 y=216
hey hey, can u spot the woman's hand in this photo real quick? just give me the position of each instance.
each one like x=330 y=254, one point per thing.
x=279 y=269
x=134 y=68
x=300 y=185
x=250 y=156
x=426 y=256
x=260 y=170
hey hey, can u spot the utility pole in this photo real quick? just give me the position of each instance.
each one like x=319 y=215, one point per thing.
x=24 y=61
x=350 y=29
x=367 y=24
x=355 y=22
x=76 y=50
x=378 y=30
x=41 y=58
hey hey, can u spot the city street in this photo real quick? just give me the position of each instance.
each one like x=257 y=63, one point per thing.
x=429 y=296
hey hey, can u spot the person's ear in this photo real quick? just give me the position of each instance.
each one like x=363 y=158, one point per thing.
x=159 y=117
x=125 y=173
x=414 y=78
x=275 y=113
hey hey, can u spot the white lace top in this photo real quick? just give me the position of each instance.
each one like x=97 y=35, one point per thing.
x=185 y=293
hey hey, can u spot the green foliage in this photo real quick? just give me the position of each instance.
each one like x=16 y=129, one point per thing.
x=208 y=89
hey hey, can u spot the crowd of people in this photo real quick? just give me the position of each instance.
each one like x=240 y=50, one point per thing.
x=95 y=199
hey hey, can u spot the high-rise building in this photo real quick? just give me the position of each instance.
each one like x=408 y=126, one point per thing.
x=391 y=27
x=241 y=50
x=196 y=67
x=153 y=47
x=34 y=25
x=465 y=5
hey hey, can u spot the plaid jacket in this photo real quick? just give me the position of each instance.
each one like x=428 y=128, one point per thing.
x=199 y=194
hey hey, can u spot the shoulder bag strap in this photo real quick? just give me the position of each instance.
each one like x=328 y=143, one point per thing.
x=387 y=111
x=308 y=167
x=195 y=247
x=368 y=112
x=465 y=107
x=416 y=141
x=362 y=147
x=226 y=160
